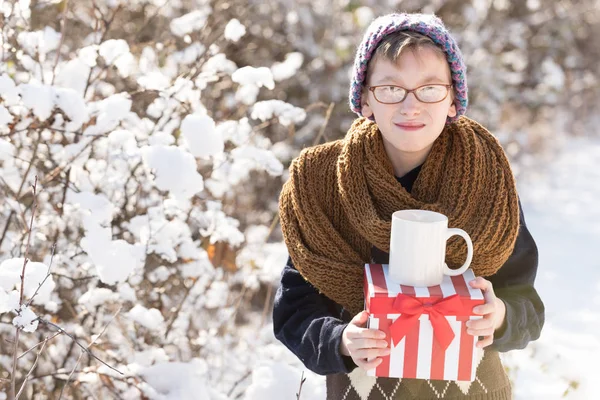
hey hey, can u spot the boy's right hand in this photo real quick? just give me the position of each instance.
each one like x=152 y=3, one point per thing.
x=365 y=346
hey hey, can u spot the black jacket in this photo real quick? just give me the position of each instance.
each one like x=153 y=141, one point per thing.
x=311 y=325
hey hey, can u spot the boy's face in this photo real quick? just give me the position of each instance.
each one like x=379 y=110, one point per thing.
x=412 y=70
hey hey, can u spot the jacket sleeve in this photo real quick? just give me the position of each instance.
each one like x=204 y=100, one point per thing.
x=513 y=284
x=310 y=324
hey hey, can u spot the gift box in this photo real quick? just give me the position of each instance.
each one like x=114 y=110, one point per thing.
x=425 y=326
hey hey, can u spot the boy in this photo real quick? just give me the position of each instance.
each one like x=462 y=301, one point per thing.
x=411 y=148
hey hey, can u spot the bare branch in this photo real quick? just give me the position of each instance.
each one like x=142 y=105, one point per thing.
x=32 y=367
x=76 y=342
x=82 y=353
x=45 y=340
x=13 y=377
x=46 y=277
x=302 y=380
x=63 y=29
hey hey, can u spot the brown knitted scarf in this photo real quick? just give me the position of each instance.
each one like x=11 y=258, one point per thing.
x=339 y=199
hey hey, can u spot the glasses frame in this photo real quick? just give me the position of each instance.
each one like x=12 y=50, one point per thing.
x=414 y=91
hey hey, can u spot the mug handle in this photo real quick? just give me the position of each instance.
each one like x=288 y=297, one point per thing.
x=456 y=231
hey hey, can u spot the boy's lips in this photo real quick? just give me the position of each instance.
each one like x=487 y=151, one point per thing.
x=410 y=126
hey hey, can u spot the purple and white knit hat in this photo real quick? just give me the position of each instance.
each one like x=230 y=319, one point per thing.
x=426 y=24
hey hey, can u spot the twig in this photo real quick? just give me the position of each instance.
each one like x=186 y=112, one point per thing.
x=32 y=368
x=76 y=342
x=239 y=302
x=267 y=304
x=13 y=377
x=35 y=150
x=59 y=169
x=63 y=25
x=83 y=278
x=322 y=130
x=174 y=317
x=237 y=382
x=46 y=277
x=302 y=380
x=137 y=36
x=8 y=220
x=26 y=259
x=82 y=353
x=47 y=339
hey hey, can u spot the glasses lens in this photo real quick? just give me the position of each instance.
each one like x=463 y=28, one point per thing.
x=389 y=94
x=432 y=93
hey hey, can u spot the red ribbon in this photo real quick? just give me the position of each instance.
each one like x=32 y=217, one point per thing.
x=412 y=308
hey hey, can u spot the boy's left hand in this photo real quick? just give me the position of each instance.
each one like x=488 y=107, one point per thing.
x=493 y=312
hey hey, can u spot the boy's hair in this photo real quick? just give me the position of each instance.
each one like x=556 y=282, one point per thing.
x=395 y=44
x=424 y=24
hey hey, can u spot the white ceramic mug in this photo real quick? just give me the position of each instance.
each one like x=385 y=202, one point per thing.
x=418 y=248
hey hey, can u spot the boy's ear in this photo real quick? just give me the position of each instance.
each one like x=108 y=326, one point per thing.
x=365 y=108
x=452 y=110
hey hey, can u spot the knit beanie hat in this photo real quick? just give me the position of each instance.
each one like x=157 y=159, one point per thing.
x=425 y=24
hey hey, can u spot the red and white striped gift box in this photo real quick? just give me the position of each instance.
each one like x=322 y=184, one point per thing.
x=431 y=336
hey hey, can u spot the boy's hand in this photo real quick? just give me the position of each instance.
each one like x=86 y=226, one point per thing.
x=365 y=346
x=493 y=311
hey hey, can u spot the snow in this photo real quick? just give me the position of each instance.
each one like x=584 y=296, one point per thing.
x=39 y=98
x=174 y=170
x=96 y=297
x=287 y=113
x=114 y=260
x=8 y=91
x=260 y=159
x=35 y=272
x=234 y=30
x=561 y=212
x=7 y=150
x=89 y=54
x=247 y=94
x=219 y=226
x=276 y=380
x=112 y=49
x=154 y=80
x=72 y=104
x=73 y=74
x=216 y=295
x=288 y=68
x=9 y=301
x=190 y=22
x=5 y=117
x=251 y=80
x=189 y=55
x=236 y=132
x=201 y=137
x=217 y=63
x=258 y=77
x=150 y=319
x=39 y=42
x=97 y=206
x=26 y=320
x=109 y=112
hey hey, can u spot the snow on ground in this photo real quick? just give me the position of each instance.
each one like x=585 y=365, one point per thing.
x=562 y=212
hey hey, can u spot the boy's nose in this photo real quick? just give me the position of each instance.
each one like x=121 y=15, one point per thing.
x=410 y=105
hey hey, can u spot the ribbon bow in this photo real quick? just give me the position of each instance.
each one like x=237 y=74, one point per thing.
x=412 y=308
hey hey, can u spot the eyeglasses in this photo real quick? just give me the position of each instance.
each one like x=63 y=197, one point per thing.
x=390 y=94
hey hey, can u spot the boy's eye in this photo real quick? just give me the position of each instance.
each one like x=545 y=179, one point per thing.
x=426 y=89
x=392 y=89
